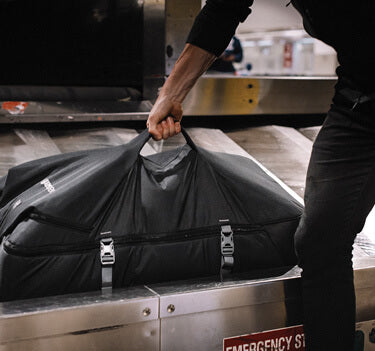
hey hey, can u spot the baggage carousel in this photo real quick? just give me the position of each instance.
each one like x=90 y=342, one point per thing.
x=183 y=315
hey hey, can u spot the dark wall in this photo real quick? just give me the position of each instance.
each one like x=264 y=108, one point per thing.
x=71 y=42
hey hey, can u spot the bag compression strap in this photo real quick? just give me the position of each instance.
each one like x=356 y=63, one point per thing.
x=107 y=259
x=227 y=248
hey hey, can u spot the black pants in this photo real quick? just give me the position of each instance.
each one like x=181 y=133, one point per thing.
x=340 y=192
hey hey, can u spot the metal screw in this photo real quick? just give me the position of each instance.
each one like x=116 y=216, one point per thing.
x=171 y=308
x=146 y=312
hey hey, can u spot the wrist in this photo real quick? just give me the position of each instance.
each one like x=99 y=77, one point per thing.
x=168 y=98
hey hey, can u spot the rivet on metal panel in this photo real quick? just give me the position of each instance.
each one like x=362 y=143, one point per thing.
x=146 y=312
x=171 y=308
x=169 y=51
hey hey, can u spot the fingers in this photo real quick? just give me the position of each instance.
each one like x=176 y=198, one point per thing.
x=170 y=128
x=178 y=127
x=160 y=124
x=165 y=129
x=155 y=129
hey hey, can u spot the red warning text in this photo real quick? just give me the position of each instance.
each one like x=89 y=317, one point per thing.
x=286 y=339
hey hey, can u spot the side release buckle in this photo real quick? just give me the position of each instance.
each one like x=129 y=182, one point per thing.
x=227 y=245
x=107 y=258
x=107 y=251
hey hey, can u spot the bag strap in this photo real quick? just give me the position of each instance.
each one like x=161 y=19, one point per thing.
x=139 y=142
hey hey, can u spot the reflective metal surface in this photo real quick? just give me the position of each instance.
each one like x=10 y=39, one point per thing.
x=310 y=132
x=39 y=142
x=131 y=337
x=293 y=155
x=211 y=96
x=180 y=15
x=205 y=313
x=206 y=331
x=59 y=315
x=13 y=151
x=193 y=315
x=64 y=111
x=230 y=95
x=71 y=140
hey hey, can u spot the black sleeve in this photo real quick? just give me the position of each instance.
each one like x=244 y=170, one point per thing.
x=216 y=24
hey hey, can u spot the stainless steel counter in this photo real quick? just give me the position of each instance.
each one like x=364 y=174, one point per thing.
x=212 y=96
x=221 y=95
x=172 y=316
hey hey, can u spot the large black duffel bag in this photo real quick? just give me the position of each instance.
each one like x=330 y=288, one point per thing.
x=72 y=222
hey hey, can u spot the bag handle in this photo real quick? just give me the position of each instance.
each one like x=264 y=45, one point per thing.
x=144 y=137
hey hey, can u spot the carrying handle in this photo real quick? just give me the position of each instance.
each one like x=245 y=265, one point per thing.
x=145 y=136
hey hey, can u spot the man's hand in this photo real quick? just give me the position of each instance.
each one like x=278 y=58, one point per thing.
x=164 y=119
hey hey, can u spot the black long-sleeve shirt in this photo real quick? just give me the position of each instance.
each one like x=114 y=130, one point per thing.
x=348 y=26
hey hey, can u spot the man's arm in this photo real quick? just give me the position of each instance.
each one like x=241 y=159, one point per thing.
x=212 y=30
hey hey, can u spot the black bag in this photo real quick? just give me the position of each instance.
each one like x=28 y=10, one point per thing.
x=66 y=221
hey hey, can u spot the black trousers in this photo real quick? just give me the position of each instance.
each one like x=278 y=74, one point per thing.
x=340 y=192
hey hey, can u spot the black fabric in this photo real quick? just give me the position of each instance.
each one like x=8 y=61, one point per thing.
x=348 y=27
x=340 y=192
x=345 y=25
x=163 y=213
x=216 y=24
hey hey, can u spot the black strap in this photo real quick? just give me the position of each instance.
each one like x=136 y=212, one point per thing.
x=107 y=272
x=139 y=142
x=227 y=248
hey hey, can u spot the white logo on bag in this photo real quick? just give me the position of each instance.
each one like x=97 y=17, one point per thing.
x=47 y=184
x=16 y=204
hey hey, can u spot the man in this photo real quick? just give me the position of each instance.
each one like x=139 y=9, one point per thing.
x=340 y=185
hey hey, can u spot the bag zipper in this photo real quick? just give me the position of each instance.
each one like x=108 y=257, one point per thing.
x=135 y=239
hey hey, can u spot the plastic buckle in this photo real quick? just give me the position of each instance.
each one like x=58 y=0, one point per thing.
x=227 y=245
x=107 y=251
